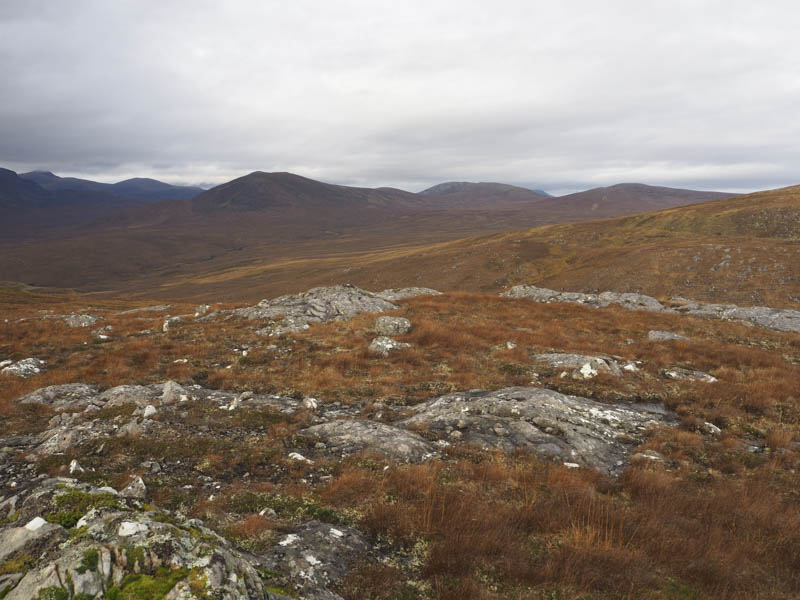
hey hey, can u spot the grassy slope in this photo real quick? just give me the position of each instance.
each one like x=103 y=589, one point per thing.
x=744 y=250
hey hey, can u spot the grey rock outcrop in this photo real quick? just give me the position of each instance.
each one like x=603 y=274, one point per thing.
x=173 y=392
x=80 y=320
x=394 y=294
x=347 y=436
x=392 y=326
x=583 y=365
x=382 y=346
x=626 y=300
x=666 y=336
x=76 y=396
x=27 y=367
x=315 y=556
x=568 y=428
x=759 y=316
x=318 y=305
x=135 y=489
x=119 y=538
x=681 y=373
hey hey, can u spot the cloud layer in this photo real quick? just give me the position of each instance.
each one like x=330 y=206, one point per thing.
x=564 y=96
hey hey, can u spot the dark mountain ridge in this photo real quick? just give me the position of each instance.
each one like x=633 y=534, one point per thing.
x=138 y=188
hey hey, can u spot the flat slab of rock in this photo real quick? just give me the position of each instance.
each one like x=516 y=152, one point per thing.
x=568 y=428
x=666 y=336
x=627 y=300
x=348 y=436
x=318 y=305
x=394 y=294
x=71 y=395
x=760 y=316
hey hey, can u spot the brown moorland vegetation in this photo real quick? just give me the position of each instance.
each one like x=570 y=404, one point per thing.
x=714 y=519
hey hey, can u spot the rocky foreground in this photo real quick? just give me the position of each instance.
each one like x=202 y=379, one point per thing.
x=176 y=489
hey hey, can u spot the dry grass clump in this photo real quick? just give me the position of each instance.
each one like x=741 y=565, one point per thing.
x=507 y=527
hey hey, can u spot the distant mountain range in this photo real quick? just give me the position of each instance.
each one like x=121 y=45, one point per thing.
x=67 y=232
x=149 y=190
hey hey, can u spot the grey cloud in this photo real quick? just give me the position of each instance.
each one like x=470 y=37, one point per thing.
x=558 y=95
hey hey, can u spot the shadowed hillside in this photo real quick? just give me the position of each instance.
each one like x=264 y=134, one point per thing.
x=245 y=231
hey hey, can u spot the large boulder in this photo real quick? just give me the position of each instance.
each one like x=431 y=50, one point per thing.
x=568 y=428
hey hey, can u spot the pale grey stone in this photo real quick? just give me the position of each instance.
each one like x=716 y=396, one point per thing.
x=392 y=326
x=542 y=421
x=346 y=436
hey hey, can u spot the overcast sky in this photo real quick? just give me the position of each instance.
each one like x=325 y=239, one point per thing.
x=559 y=95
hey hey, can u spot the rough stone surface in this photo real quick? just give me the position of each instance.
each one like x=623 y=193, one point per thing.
x=626 y=300
x=318 y=305
x=27 y=367
x=394 y=294
x=135 y=489
x=80 y=320
x=679 y=373
x=124 y=539
x=347 y=436
x=383 y=345
x=315 y=556
x=567 y=428
x=172 y=392
x=392 y=326
x=72 y=395
x=666 y=336
x=760 y=316
x=578 y=364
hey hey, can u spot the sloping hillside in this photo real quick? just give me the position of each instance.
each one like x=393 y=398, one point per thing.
x=744 y=250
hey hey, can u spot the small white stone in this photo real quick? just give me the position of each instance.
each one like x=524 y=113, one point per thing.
x=288 y=540
x=35 y=524
x=336 y=533
x=75 y=467
x=571 y=465
x=312 y=560
x=180 y=361
x=588 y=371
x=149 y=411
x=300 y=457
x=310 y=403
